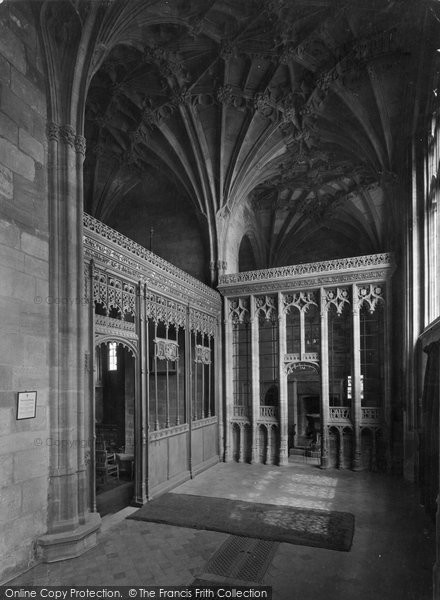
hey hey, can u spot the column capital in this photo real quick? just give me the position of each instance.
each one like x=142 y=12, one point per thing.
x=67 y=135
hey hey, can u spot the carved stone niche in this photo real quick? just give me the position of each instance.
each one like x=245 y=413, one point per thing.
x=202 y=354
x=166 y=349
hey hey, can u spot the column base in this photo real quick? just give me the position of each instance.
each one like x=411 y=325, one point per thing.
x=54 y=547
x=283 y=461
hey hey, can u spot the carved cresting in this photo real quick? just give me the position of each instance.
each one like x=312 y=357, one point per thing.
x=163 y=309
x=112 y=292
x=119 y=253
x=202 y=322
x=342 y=264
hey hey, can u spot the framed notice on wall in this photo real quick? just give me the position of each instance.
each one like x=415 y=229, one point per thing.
x=26 y=405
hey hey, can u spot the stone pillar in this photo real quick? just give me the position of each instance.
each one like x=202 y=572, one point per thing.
x=71 y=527
x=295 y=409
x=141 y=402
x=324 y=381
x=241 y=457
x=283 y=415
x=269 y=445
x=92 y=380
x=218 y=389
x=229 y=384
x=255 y=371
x=341 y=449
x=356 y=410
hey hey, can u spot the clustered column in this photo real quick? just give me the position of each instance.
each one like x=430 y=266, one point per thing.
x=324 y=381
x=282 y=348
x=356 y=408
x=229 y=383
x=255 y=369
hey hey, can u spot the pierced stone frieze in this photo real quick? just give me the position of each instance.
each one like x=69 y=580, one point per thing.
x=114 y=327
x=165 y=349
x=202 y=322
x=111 y=249
x=296 y=357
x=163 y=309
x=311 y=282
x=338 y=297
x=239 y=310
x=266 y=308
x=339 y=413
x=111 y=292
x=301 y=300
x=357 y=262
x=371 y=294
x=202 y=354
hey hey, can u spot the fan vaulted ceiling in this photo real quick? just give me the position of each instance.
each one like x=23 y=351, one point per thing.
x=276 y=120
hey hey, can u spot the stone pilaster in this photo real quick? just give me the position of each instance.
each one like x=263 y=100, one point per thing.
x=324 y=380
x=255 y=371
x=229 y=384
x=283 y=407
x=71 y=527
x=356 y=410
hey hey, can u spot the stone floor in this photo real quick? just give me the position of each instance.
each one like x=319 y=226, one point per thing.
x=391 y=557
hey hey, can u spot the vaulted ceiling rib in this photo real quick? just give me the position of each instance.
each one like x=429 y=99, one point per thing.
x=238 y=101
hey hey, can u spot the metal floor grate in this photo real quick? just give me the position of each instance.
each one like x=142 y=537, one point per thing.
x=242 y=558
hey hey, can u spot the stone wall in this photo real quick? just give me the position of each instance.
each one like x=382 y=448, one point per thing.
x=24 y=295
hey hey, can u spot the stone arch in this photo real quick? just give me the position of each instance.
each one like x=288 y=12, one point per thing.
x=107 y=339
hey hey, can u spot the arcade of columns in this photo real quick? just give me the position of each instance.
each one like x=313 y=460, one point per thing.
x=269 y=295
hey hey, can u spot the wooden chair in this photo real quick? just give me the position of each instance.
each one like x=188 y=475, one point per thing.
x=106 y=465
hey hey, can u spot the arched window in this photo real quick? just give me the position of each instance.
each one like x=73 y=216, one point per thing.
x=112 y=357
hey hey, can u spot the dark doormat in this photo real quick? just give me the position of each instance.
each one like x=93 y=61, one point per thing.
x=302 y=526
x=242 y=558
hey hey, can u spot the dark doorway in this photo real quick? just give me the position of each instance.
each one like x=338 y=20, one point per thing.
x=114 y=427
